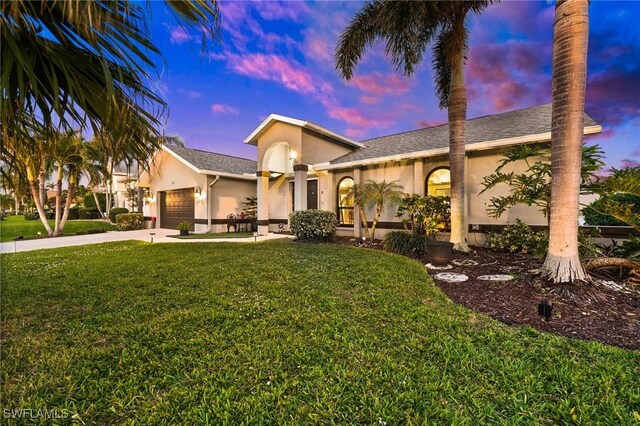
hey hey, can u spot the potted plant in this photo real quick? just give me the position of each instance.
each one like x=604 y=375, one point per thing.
x=429 y=216
x=184 y=227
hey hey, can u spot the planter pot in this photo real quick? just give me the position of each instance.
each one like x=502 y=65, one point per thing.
x=439 y=252
x=184 y=233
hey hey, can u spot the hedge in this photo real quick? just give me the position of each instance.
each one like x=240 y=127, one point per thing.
x=115 y=212
x=313 y=225
x=129 y=221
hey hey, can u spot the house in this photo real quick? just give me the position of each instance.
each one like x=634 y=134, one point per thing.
x=305 y=166
x=197 y=186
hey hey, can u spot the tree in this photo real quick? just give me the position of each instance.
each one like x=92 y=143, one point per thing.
x=408 y=28
x=532 y=187
x=69 y=62
x=378 y=195
x=569 y=76
x=357 y=194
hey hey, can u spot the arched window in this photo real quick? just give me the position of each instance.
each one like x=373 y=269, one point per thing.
x=345 y=201
x=439 y=182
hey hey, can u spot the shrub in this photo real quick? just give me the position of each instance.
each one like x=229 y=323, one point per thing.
x=74 y=213
x=116 y=211
x=29 y=216
x=90 y=202
x=406 y=243
x=129 y=221
x=520 y=238
x=88 y=214
x=629 y=249
x=184 y=226
x=596 y=213
x=313 y=225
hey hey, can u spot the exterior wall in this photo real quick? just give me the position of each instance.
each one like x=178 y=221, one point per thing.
x=317 y=149
x=400 y=171
x=279 y=132
x=226 y=197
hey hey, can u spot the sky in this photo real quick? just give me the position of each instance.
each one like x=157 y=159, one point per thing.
x=277 y=57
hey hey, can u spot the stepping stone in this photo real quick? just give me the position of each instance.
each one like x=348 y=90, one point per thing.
x=496 y=277
x=438 y=268
x=464 y=262
x=452 y=277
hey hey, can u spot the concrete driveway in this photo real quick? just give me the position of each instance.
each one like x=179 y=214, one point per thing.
x=161 y=236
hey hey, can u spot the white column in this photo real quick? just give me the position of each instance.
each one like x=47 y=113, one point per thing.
x=418 y=177
x=300 y=178
x=263 y=203
x=357 y=223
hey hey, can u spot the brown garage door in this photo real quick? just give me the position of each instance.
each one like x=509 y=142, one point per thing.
x=176 y=206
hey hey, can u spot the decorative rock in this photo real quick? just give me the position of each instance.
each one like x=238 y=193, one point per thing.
x=452 y=277
x=534 y=271
x=464 y=262
x=438 y=268
x=496 y=277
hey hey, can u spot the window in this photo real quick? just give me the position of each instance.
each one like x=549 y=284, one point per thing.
x=439 y=182
x=345 y=201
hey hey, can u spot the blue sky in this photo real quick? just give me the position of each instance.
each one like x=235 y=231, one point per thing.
x=277 y=57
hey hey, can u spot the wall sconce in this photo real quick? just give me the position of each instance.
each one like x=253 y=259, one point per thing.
x=151 y=199
x=198 y=193
x=293 y=155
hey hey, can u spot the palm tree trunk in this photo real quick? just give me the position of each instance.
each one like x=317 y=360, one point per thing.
x=43 y=189
x=570 y=40
x=457 y=116
x=95 y=198
x=16 y=203
x=363 y=219
x=376 y=218
x=38 y=201
x=67 y=205
x=58 y=217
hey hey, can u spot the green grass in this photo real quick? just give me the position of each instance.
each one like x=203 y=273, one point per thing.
x=14 y=226
x=214 y=235
x=282 y=333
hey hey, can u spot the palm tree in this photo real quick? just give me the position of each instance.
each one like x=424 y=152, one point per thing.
x=408 y=28
x=357 y=194
x=69 y=62
x=570 y=40
x=379 y=195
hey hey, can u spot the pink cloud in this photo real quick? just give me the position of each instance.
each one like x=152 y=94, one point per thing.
x=178 y=35
x=369 y=100
x=426 y=123
x=354 y=117
x=276 y=10
x=223 y=109
x=381 y=84
x=627 y=162
x=191 y=94
x=354 y=133
x=318 y=47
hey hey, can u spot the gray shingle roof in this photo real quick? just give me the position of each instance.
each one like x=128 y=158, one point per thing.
x=523 y=122
x=205 y=160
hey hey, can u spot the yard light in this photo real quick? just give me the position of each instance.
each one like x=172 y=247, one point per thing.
x=152 y=234
x=544 y=309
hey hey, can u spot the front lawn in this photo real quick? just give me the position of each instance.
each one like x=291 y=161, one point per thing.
x=282 y=333
x=214 y=235
x=15 y=226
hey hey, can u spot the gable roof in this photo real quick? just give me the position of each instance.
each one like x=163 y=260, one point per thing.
x=274 y=118
x=213 y=163
x=531 y=124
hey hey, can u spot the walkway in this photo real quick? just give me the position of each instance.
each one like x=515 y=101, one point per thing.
x=161 y=236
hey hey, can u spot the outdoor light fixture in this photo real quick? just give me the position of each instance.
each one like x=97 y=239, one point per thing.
x=293 y=155
x=152 y=199
x=152 y=234
x=198 y=193
x=544 y=309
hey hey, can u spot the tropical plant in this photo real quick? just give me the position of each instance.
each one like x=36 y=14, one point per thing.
x=184 y=226
x=313 y=226
x=424 y=214
x=569 y=78
x=532 y=186
x=378 y=195
x=406 y=243
x=68 y=62
x=408 y=28
x=601 y=211
x=251 y=207
x=356 y=195
x=620 y=195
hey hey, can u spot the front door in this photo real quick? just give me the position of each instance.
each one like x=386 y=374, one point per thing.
x=312 y=194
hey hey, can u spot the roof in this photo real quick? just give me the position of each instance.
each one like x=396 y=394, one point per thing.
x=512 y=125
x=211 y=162
x=274 y=118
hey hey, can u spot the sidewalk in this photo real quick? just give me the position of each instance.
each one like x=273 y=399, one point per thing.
x=161 y=236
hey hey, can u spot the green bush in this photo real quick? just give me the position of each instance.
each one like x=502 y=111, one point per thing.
x=29 y=216
x=90 y=202
x=629 y=249
x=129 y=221
x=596 y=213
x=116 y=211
x=520 y=238
x=406 y=243
x=74 y=213
x=313 y=225
x=88 y=214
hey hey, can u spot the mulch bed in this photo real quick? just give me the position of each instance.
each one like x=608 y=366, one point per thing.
x=601 y=314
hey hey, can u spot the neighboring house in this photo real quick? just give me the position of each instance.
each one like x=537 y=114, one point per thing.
x=124 y=176
x=197 y=186
x=303 y=166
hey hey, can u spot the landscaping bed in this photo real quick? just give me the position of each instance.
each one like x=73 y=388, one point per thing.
x=213 y=235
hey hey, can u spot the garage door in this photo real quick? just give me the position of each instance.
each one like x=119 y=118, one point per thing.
x=176 y=206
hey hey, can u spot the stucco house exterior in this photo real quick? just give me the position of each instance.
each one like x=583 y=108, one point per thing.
x=302 y=165
x=197 y=186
